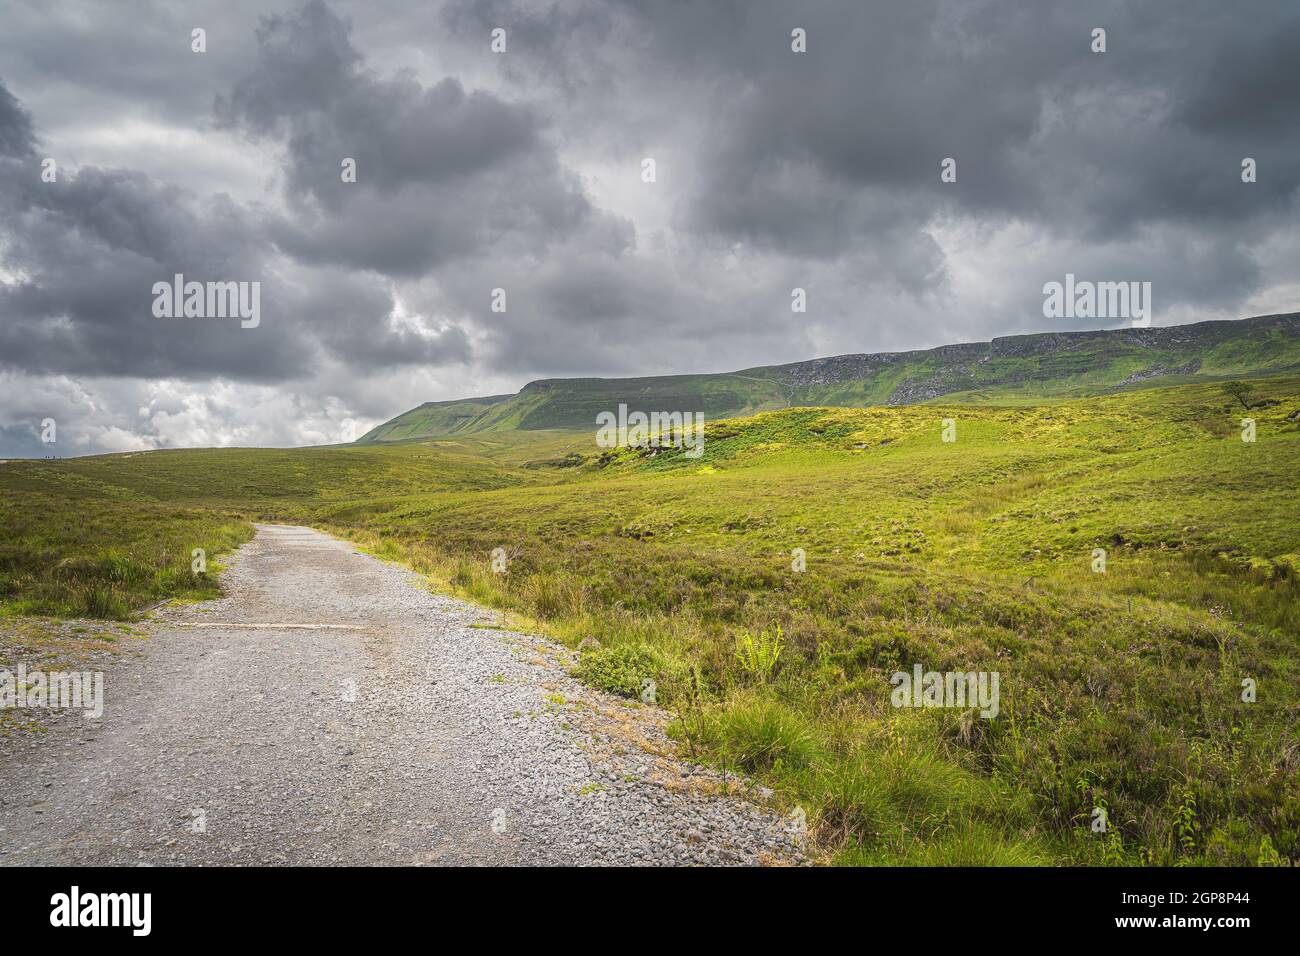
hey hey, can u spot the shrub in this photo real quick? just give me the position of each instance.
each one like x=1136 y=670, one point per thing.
x=623 y=669
x=619 y=670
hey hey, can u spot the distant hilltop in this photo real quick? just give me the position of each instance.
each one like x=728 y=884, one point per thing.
x=1013 y=369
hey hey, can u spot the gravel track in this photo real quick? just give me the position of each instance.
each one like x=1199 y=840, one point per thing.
x=414 y=729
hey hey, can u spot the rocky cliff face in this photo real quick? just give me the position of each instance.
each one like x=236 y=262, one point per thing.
x=1014 y=366
x=932 y=373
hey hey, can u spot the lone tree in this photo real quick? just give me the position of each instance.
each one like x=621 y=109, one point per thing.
x=1240 y=391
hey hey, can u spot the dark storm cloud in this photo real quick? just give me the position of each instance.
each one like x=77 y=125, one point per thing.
x=1126 y=161
x=16 y=139
x=1043 y=129
x=521 y=171
x=88 y=249
x=441 y=172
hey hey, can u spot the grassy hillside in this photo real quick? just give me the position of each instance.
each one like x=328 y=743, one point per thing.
x=1013 y=370
x=1120 y=689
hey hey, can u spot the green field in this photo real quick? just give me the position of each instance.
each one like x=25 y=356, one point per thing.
x=1120 y=689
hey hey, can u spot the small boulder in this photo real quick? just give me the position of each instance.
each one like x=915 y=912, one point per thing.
x=588 y=644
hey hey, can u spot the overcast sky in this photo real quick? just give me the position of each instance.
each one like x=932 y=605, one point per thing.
x=523 y=170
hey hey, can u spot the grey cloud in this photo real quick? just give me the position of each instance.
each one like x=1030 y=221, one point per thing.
x=89 y=248
x=407 y=233
x=442 y=173
x=16 y=136
x=85 y=252
x=350 y=319
x=1043 y=129
x=818 y=170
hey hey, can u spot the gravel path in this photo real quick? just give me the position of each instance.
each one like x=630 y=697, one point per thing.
x=413 y=729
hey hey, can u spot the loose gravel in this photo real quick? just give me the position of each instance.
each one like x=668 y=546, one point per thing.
x=422 y=731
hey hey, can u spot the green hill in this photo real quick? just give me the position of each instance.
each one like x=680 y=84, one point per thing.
x=1015 y=369
x=859 y=543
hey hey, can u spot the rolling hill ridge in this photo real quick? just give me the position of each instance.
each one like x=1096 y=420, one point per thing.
x=1014 y=369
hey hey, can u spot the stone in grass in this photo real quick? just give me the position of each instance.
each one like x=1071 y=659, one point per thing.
x=588 y=644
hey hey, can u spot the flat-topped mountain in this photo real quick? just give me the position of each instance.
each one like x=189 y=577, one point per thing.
x=1013 y=369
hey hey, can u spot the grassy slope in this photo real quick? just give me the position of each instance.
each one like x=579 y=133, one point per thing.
x=1014 y=370
x=1119 y=689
